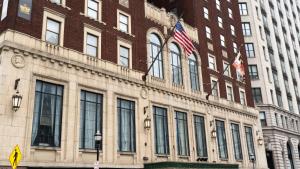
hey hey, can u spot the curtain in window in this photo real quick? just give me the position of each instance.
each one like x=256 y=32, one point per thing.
x=193 y=72
x=176 y=64
x=290 y=156
x=200 y=136
x=161 y=130
x=221 y=137
x=182 y=134
x=154 y=49
x=236 y=141
x=46 y=127
x=90 y=122
x=126 y=125
x=250 y=144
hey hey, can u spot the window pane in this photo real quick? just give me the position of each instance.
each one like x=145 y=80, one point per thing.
x=221 y=137
x=249 y=139
x=200 y=136
x=46 y=126
x=161 y=130
x=182 y=134
x=53 y=26
x=236 y=141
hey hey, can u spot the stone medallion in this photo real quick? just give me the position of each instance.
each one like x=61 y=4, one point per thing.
x=18 y=61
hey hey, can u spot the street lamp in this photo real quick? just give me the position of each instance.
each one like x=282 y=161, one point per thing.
x=16 y=101
x=98 y=138
x=147 y=123
x=252 y=158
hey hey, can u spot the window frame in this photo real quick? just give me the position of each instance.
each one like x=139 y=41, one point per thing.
x=119 y=13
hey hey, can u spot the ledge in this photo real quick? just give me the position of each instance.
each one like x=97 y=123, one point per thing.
x=172 y=165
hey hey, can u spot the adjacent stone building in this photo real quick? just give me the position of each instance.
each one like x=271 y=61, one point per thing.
x=271 y=30
x=78 y=66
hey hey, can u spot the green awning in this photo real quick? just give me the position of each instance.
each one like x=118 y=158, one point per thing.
x=174 y=165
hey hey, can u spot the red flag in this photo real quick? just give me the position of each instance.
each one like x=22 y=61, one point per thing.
x=181 y=37
x=238 y=64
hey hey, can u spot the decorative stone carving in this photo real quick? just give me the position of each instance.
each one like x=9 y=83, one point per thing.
x=18 y=61
x=144 y=93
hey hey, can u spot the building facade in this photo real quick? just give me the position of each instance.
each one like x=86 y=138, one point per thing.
x=272 y=38
x=79 y=66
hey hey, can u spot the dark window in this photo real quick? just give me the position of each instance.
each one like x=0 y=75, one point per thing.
x=182 y=134
x=90 y=118
x=250 y=143
x=157 y=67
x=257 y=97
x=262 y=117
x=290 y=156
x=126 y=125
x=161 y=130
x=200 y=136
x=246 y=29
x=243 y=8
x=193 y=66
x=236 y=141
x=253 y=73
x=176 y=64
x=46 y=128
x=221 y=137
x=249 y=47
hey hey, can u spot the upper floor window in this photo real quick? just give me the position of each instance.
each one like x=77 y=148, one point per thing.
x=124 y=22
x=126 y=125
x=232 y=29
x=53 y=31
x=253 y=72
x=176 y=64
x=57 y=1
x=222 y=38
x=124 y=56
x=93 y=9
x=230 y=13
x=211 y=62
x=220 y=22
x=249 y=47
x=154 y=50
x=221 y=138
x=263 y=120
x=229 y=92
x=47 y=115
x=218 y=4
x=243 y=8
x=92 y=45
x=256 y=93
x=208 y=32
x=193 y=67
x=4 y=9
x=226 y=69
x=206 y=14
x=214 y=87
x=90 y=119
x=246 y=29
x=242 y=97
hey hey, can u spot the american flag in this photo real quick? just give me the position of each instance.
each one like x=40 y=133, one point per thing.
x=238 y=64
x=181 y=37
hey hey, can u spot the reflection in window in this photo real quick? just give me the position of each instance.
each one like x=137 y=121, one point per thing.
x=193 y=66
x=154 y=49
x=176 y=64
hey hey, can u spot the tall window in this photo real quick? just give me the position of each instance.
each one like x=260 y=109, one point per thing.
x=243 y=8
x=194 y=72
x=229 y=92
x=124 y=56
x=155 y=45
x=232 y=29
x=4 y=9
x=92 y=9
x=176 y=64
x=208 y=32
x=221 y=137
x=250 y=143
x=236 y=141
x=46 y=127
x=249 y=47
x=218 y=4
x=242 y=98
x=126 y=125
x=211 y=62
x=226 y=68
x=200 y=136
x=220 y=22
x=182 y=134
x=246 y=29
x=263 y=120
x=279 y=99
x=52 y=31
x=222 y=38
x=206 y=14
x=90 y=118
x=91 y=45
x=161 y=130
x=123 y=21
x=230 y=13
x=256 y=93
x=214 y=88
x=253 y=73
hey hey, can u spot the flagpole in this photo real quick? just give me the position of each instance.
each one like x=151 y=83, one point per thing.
x=231 y=61
x=144 y=77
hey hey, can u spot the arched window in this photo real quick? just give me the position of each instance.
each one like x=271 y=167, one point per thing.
x=176 y=64
x=290 y=156
x=194 y=77
x=154 y=49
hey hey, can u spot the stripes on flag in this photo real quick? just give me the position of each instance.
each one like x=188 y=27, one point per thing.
x=181 y=37
x=238 y=64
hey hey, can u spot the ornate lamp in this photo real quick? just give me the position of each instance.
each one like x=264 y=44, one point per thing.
x=147 y=123
x=16 y=101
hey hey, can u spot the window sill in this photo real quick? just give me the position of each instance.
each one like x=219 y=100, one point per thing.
x=127 y=33
x=127 y=153
x=89 y=151
x=184 y=157
x=223 y=159
x=97 y=20
x=162 y=155
x=46 y=148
